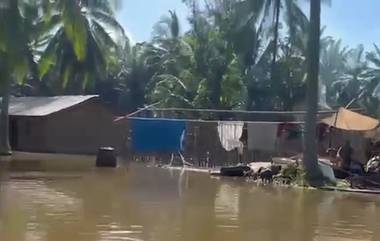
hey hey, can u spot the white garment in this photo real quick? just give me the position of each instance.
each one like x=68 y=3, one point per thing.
x=262 y=136
x=230 y=134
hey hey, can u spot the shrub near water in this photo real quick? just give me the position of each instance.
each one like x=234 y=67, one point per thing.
x=292 y=175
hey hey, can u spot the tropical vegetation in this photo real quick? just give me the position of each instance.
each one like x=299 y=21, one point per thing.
x=236 y=54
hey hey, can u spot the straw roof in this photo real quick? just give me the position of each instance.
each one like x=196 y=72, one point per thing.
x=351 y=121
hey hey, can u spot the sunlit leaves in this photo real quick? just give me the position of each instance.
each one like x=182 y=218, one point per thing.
x=75 y=27
x=14 y=40
x=84 y=41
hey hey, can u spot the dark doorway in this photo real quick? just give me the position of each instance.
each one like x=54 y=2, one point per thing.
x=13 y=134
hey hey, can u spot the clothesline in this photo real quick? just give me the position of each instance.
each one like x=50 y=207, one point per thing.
x=214 y=121
x=136 y=112
x=244 y=111
x=162 y=135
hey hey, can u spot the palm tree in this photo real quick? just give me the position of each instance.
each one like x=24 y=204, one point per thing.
x=70 y=43
x=310 y=154
x=297 y=24
x=82 y=40
x=220 y=59
x=135 y=75
x=333 y=63
x=171 y=55
x=167 y=28
x=296 y=21
x=353 y=81
x=243 y=26
x=277 y=9
x=255 y=35
x=170 y=47
x=14 y=64
x=363 y=80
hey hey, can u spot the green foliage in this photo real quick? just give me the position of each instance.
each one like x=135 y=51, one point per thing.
x=225 y=60
x=233 y=93
x=82 y=38
x=14 y=40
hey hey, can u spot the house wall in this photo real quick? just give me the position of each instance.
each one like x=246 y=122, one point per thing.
x=82 y=129
x=28 y=134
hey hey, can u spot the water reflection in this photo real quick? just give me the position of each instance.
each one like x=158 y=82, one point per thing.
x=160 y=205
x=227 y=206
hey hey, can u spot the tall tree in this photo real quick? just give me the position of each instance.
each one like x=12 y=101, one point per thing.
x=70 y=38
x=171 y=56
x=277 y=9
x=83 y=39
x=314 y=174
x=14 y=65
x=333 y=63
x=296 y=21
x=245 y=27
x=135 y=74
x=355 y=77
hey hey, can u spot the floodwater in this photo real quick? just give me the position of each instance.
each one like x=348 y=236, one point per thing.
x=151 y=204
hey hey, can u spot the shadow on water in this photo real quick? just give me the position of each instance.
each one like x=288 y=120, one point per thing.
x=139 y=203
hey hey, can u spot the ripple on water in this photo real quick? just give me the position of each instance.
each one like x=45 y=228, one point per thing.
x=70 y=209
x=227 y=208
x=114 y=231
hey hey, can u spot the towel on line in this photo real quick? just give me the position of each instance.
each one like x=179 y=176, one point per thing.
x=157 y=136
x=262 y=136
x=230 y=133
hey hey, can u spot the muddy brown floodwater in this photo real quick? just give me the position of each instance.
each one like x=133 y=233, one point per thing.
x=153 y=204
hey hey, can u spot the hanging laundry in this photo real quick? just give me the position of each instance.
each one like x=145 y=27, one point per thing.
x=262 y=136
x=157 y=135
x=289 y=139
x=322 y=131
x=230 y=133
x=291 y=130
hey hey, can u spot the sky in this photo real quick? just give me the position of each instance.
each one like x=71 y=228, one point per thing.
x=139 y=16
x=353 y=21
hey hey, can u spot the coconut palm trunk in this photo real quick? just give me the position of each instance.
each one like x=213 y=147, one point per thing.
x=275 y=40
x=5 y=148
x=310 y=144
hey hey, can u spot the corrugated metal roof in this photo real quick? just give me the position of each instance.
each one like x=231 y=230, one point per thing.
x=43 y=106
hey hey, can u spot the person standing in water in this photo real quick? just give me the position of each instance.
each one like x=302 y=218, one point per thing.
x=348 y=163
x=345 y=153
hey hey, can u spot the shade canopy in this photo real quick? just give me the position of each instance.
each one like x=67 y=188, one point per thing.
x=351 y=121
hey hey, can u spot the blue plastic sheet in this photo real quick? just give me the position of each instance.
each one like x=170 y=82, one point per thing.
x=157 y=135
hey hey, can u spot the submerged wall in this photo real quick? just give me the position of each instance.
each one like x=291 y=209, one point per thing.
x=78 y=130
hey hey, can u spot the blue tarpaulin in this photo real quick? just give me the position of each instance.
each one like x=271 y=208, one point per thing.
x=157 y=135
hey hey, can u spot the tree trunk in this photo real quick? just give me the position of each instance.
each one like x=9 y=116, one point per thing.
x=310 y=144
x=5 y=148
x=275 y=46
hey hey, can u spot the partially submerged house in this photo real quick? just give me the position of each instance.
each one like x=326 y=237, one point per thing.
x=62 y=124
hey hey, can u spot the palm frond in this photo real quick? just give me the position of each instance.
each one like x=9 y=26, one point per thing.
x=109 y=21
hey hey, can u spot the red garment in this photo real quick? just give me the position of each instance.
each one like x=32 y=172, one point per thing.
x=322 y=131
x=284 y=128
x=280 y=129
